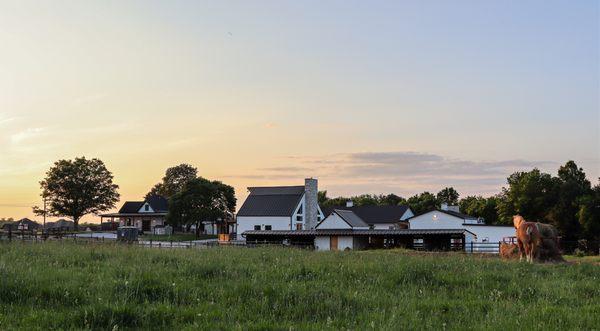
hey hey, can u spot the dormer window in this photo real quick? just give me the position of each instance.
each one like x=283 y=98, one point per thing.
x=146 y=207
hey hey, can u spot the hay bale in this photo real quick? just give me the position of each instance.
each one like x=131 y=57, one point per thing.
x=509 y=251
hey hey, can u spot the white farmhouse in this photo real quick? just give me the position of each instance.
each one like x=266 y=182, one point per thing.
x=290 y=208
x=449 y=217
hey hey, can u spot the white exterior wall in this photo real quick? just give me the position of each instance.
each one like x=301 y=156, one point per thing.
x=491 y=233
x=384 y=226
x=334 y=221
x=322 y=243
x=436 y=220
x=407 y=214
x=345 y=242
x=247 y=223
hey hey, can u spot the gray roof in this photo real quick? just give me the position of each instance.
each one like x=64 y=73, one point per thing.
x=271 y=201
x=374 y=214
x=351 y=218
x=348 y=232
x=457 y=214
x=158 y=203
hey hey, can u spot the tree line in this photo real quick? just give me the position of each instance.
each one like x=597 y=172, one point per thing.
x=568 y=201
x=74 y=188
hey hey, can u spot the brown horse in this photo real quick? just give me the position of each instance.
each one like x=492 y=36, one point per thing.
x=528 y=238
x=537 y=240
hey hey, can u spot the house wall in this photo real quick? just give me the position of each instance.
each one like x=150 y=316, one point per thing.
x=491 y=233
x=322 y=243
x=385 y=226
x=407 y=214
x=334 y=221
x=247 y=223
x=345 y=242
x=436 y=220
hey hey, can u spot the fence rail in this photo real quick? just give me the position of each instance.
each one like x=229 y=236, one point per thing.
x=567 y=247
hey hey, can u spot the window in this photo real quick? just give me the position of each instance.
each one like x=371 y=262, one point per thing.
x=257 y=227
x=298 y=226
x=268 y=227
x=299 y=219
x=319 y=218
x=146 y=207
x=299 y=210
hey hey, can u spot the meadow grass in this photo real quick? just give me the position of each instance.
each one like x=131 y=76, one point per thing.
x=102 y=286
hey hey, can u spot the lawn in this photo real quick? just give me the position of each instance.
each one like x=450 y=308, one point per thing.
x=104 y=286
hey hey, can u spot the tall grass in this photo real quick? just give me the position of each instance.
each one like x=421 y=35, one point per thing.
x=70 y=286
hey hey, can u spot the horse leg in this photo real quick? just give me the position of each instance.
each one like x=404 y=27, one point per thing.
x=521 y=250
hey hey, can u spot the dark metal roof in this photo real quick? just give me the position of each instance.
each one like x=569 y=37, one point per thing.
x=130 y=207
x=132 y=214
x=348 y=232
x=276 y=190
x=158 y=203
x=351 y=218
x=373 y=214
x=271 y=201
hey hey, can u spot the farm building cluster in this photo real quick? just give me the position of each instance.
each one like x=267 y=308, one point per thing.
x=292 y=215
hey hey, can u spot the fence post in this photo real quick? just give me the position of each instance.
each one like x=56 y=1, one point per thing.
x=471 y=247
x=171 y=243
x=150 y=242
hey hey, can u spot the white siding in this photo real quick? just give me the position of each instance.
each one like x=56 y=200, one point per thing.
x=491 y=233
x=385 y=226
x=247 y=223
x=436 y=220
x=407 y=214
x=322 y=243
x=143 y=209
x=345 y=242
x=334 y=221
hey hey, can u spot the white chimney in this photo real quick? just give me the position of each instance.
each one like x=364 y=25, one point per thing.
x=349 y=203
x=311 y=209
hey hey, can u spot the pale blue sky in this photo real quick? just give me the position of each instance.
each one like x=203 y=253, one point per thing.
x=369 y=96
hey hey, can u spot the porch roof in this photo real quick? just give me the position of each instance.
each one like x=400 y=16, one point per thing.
x=350 y=232
x=132 y=214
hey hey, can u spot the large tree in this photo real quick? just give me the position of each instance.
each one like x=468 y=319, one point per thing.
x=531 y=194
x=422 y=203
x=75 y=188
x=201 y=200
x=588 y=214
x=448 y=195
x=174 y=180
x=572 y=186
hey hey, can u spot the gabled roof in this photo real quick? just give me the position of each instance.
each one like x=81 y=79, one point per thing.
x=351 y=218
x=131 y=207
x=374 y=214
x=158 y=203
x=272 y=201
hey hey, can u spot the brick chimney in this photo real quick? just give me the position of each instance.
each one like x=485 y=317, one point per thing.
x=311 y=209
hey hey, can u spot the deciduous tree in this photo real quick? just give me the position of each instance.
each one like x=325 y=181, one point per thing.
x=75 y=188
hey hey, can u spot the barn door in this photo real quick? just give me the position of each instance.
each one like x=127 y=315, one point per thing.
x=333 y=243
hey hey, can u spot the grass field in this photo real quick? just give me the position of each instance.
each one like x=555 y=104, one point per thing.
x=71 y=286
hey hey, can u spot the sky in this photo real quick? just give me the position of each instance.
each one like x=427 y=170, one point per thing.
x=367 y=96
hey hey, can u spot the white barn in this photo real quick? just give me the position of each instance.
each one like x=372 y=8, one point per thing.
x=289 y=208
x=449 y=217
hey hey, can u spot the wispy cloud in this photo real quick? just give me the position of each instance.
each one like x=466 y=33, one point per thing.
x=400 y=172
x=26 y=135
